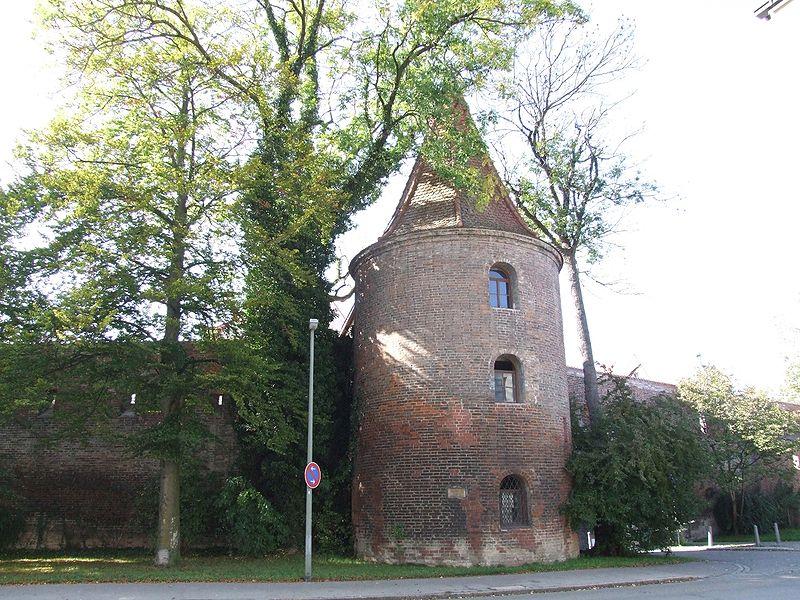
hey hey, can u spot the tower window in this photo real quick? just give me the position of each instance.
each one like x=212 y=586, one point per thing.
x=513 y=502
x=506 y=380
x=499 y=289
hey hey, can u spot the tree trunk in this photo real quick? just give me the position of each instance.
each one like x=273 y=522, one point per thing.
x=168 y=542
x=168 y=539
x=741 y=505
x=591 y=391
x=169 y=518
x=734 y=514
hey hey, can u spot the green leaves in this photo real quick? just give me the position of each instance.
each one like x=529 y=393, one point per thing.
x=249 y=522
x=414 y=67
x=188 y=198
x=748 y=435
x=635 y=471
x=572 y=181
x=791 y=387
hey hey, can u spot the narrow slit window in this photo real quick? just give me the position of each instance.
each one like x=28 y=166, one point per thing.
x=499 y=289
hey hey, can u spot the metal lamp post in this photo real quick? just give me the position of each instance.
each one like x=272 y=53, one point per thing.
x=766 y=10
x=312 y=326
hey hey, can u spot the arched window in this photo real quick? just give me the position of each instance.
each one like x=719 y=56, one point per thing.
x=506 y=380
x=500 y=288
x=513 y=502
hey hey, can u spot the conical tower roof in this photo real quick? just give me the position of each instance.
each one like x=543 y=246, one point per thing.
x=430 y=202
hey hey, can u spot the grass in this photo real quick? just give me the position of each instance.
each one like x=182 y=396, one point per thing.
x=787 y=535
x=121 y=566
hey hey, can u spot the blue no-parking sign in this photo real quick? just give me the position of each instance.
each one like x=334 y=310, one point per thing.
x=313 y=475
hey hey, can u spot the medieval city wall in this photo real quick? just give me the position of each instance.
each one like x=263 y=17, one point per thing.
x=84 y=492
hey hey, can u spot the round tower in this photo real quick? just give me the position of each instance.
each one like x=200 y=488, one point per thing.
x=460 y=386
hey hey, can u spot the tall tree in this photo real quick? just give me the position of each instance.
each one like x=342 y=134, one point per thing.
x=791 y=384
x=135 y=193
x=748 y=435
x=568 y=180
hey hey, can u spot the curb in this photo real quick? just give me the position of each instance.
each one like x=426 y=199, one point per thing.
x=521 y=589
x=755 y=549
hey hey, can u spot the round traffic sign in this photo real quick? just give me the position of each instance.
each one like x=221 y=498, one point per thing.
x=313 y=475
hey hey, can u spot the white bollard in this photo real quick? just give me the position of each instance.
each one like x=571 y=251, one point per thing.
x=758 y=538
x=777 y=534
x=710 y=537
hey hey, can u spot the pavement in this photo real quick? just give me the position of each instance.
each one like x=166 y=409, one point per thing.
x=713 y=565
x=747 y=574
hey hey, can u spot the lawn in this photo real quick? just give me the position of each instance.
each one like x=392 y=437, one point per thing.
x=19 y=568
x=787 y=535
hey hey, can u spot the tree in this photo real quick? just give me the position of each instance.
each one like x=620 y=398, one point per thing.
x=136 y=193
x=791 y=386
x=336 y=96
x=568 y=180
x=162 y=237
x=634 y=471
x=748 y=435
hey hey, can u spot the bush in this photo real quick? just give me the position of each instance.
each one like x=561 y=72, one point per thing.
x=200 y=518
x=634 y=472
x=249 y=522
x=12 y=514
x=759 y=508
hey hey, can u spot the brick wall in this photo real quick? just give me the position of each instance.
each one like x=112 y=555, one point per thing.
x=432 y=444
x=83 y=492
x=643 y=389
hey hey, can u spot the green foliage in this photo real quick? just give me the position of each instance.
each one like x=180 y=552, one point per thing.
x=250 y=523
x=791 y=386
x=749 y=437
x=200 y=517
x=131 y=193
x=12 y=513
x=570 y=180
x=188 y=200
x=83 y=384
x=762 y=508
x=634 y=472
x=275 y=465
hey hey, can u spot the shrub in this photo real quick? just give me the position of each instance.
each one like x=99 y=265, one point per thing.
x=762 y=508
x=12 y=513
x=249 y=522
x=200 y=518
x=634 y=472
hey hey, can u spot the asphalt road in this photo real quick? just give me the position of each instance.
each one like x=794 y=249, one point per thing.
x=748 y=575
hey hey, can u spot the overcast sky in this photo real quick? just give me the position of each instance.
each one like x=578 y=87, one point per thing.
x=711 y=274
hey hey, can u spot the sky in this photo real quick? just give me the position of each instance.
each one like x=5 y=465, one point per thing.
x=708 y=275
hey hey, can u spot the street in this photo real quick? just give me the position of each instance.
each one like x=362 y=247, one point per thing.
x=750 y=575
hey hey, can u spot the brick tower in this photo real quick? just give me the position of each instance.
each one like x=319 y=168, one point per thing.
x=460 y=385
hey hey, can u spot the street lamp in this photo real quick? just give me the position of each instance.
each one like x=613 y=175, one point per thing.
x=765 y=10
x=312 y=326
